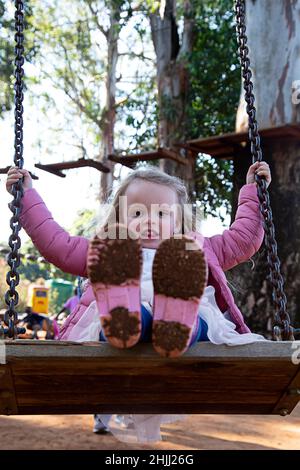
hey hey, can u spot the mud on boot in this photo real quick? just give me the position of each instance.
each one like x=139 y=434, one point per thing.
x=179 y=277
x=114 y=269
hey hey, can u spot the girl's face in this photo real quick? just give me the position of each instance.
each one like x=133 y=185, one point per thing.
x=151 y=211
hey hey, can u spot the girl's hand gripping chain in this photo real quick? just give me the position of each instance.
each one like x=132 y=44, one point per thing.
x=260 y=168
x=14 y=174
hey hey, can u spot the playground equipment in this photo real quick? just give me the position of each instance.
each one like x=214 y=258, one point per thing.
x=261 y=378
x=38 y=298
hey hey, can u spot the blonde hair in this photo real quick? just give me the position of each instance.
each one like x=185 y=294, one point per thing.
x=153 y=174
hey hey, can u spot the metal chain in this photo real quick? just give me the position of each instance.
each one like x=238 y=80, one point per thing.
x=12 y=277
x=282 y=328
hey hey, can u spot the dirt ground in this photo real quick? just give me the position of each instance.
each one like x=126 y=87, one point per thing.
x=195 y=433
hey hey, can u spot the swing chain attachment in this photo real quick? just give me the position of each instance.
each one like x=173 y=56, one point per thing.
x=282 y=328
x=13 y=259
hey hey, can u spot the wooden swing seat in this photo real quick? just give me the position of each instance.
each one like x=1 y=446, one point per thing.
x=54 y=377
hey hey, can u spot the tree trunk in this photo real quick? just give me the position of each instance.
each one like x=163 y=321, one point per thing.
x=172 y=81
x=109 y=113
x=273 y=31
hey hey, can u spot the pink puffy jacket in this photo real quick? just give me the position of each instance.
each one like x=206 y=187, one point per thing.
x=223 y=252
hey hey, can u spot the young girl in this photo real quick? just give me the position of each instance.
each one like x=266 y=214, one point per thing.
x=184 y=299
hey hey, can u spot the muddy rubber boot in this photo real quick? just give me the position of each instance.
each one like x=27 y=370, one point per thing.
x=114 y=269
x=179 y=277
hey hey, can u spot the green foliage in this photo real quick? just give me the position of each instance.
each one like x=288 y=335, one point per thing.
x=54 y=305
x=71 y=60
x=214 y=70
x=213 y=187
x=85 y=223
x=32 y=270
x=6 y=61
x=213 y=96
x=140 y=114
x=7 y=45
x=73 y=37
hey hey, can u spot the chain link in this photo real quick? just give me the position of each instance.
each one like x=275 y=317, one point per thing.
x=13 y=259
x=282 y=328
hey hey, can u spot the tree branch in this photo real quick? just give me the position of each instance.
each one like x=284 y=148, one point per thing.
x=95 y=17
x=134 y=54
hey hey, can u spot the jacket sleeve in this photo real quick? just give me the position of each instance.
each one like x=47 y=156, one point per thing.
x=57 y=246
x=245 y=236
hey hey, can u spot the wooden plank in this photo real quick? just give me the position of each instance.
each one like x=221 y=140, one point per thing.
x=171 y=155
x=116 y=159
x=259 y=351
x=130 y=159
x=56 y=168
x=167 y=395
x=289 y=398
x=184 y=408
x=294 y=130
x=140 y=368
x=277 y=131
x=50 y=170
x=4 y=171
x=41 y=376
x=8 y=404
x=64 y=377
x=222 y=144
x=121 y=396
x=211 y=139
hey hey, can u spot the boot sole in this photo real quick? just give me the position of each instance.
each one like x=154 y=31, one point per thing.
x=179 y=279
x=114 y=269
